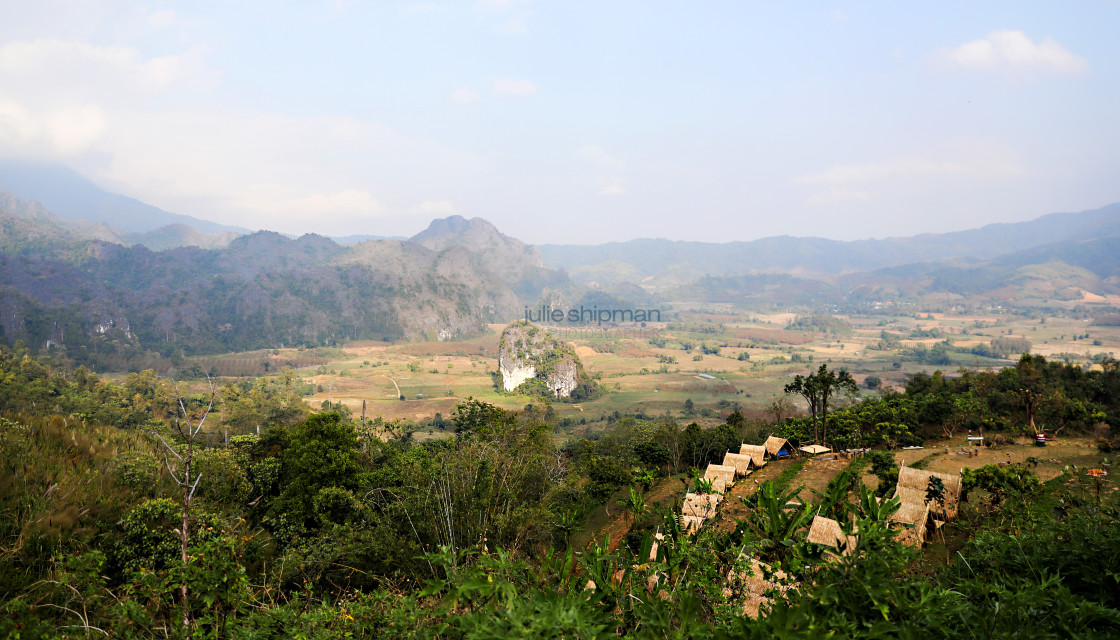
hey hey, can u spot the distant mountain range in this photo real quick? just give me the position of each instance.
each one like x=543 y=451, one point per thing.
x=665 y=264
x=83 y=207
x=114 y=276
x=103 y=302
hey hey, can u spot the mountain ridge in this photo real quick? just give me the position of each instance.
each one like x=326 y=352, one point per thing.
x=670 y=262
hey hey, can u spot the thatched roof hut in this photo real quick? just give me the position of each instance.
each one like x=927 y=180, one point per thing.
x=719 y=485
x=742 y=463
x=701 y=505
x=714 y=471
x=815 y=449
x=827 y=532
x=912 y=514
x=778 y=447
x=757 y=453
x=912 y=484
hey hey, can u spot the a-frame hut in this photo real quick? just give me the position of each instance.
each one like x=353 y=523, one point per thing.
x=827 y=532
x=701 y=505
x=915 y=515
x=912 y=485
x=719 y=471
x=757 y=453
x=778 y=447
x=742 y=463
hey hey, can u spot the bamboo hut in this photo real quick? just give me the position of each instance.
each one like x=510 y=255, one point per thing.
x=719 y=471
x=778 y=447
x=701 y=505
x=757 y=453
x=912 y=484
x=827 y=532
x=742 y=463
x=719 y=485
x=912 y=514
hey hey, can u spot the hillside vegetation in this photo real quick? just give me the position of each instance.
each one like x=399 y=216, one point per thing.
x=326 y=526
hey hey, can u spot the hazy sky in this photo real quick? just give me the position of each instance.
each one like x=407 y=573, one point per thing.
x=575 y=122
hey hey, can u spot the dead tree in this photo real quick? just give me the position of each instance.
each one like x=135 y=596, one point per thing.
x=188 y=431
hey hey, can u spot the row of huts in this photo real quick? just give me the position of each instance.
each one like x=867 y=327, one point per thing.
x=916 y=517
x=700 y=507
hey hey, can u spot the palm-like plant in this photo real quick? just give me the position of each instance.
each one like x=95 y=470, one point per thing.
x=774 y=523
x=635 y=503
x=835 y=495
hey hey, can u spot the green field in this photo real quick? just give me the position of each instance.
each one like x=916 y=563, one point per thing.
x=656 y=374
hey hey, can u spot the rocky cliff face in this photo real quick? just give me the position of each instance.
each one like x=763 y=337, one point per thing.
x=527 y=354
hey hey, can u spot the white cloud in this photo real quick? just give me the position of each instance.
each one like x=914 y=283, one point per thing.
x=964 y=159
x=952 y=163
x=50 y=67
x=116 y=115
x=465 y=95
x=837 y=196
x=610 y=187
x=280 y=202
x=598 y=156
x=1012 y=51
x=434 y=208
x=161 y=18
x=511 y=87
x=57 y=132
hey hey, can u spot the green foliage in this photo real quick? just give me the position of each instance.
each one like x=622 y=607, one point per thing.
x=885 y=468
x=323 y=453
x=775 y=518
x=478 y=417
x=1000 y=482
x=834 y=498
x=344 y=537
x=149 y=540
x=226 y=481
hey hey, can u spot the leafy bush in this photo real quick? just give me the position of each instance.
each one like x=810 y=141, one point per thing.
x=999 y=481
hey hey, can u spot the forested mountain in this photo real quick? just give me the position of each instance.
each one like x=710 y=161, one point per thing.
x=668 y=263
x=102 y=301
x=506 y=258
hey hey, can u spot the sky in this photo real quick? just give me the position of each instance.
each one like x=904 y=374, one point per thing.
x=575 y=122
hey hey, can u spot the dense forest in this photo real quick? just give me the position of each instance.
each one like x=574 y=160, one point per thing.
x=320 y=525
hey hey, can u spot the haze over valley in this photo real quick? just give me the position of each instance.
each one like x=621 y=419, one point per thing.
x=524 y=319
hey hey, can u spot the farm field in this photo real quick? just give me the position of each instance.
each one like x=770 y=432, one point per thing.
x=750 y=357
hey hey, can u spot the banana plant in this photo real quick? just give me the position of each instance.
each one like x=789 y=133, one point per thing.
x=775 y=522
x=703 y=485
x=635 y=503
